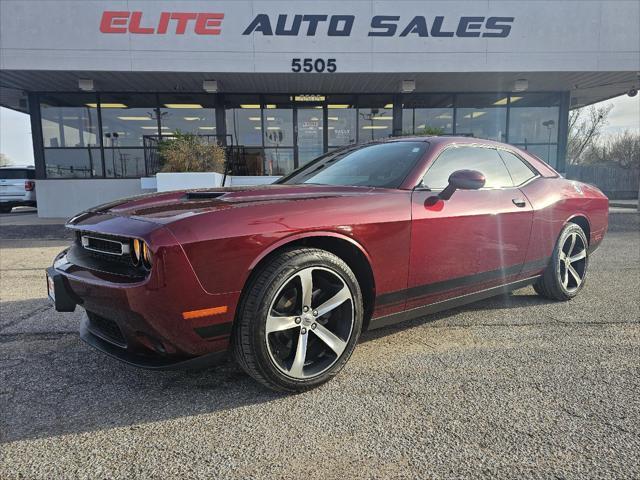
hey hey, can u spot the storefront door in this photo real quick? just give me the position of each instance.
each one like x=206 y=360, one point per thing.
x=310 y=134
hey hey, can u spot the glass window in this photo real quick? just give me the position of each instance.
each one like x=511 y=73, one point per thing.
x=341 y=124
x=278 y=161
x=194 y=114
x=310 y=134
x=487 y=123
x=375 y=123
x=427 y=114
x=73 y=162
x=533 y=124
x=124 y=162
x=482 y=116
x=17 y=173
x=520 y=172
x=379 y=165
x=278 y=127
x=68 y=121
x=484 y=160
x=127 y=118
x=244 y=125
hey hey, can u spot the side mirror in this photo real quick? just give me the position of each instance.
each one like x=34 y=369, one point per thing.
x=463 y=180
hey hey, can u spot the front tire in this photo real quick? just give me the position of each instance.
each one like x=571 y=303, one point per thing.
x=299 y=320
x=566 y=273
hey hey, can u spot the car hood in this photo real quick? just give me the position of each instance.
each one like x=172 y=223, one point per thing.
x=171 y=206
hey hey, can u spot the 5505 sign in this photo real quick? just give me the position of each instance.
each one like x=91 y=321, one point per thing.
x=318 y=65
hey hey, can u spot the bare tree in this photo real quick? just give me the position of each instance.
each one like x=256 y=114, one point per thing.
x=585 y=127
x=622 y=149
x=4 y=160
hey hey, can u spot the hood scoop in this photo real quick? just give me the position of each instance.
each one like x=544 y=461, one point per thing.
x=203 y=195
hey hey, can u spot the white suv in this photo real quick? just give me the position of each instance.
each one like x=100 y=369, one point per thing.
x=17 y=187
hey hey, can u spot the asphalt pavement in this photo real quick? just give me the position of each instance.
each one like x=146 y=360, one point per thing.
x=511 y=387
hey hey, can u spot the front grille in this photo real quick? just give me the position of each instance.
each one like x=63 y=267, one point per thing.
x=106 y=329
x=108 y=246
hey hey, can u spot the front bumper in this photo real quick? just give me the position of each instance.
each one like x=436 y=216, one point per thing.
x=141 y=321
x=147 y=361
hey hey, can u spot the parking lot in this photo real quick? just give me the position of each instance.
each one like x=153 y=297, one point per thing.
x=509 y=387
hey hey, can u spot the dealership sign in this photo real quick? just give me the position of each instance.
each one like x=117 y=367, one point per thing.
x=210 y=23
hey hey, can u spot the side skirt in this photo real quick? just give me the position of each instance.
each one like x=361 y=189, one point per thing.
x=449 y=303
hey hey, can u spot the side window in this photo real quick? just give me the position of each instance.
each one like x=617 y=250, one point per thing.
x=484 y=160
x=520 y=171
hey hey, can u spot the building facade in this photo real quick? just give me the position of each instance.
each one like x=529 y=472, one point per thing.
x=285 y=81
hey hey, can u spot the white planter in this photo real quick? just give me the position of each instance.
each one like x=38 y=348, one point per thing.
x=240 y=180
x=167 y=182
x=149 y=183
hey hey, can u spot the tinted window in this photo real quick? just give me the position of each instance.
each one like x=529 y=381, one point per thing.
x=379 y=165
x=16 y=173
x=484 y=160
x=519 y=171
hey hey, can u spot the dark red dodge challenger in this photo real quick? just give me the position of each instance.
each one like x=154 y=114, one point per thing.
x=286 y=276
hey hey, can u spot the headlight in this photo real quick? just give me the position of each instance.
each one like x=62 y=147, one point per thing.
x=146 y=255
x=136 y=251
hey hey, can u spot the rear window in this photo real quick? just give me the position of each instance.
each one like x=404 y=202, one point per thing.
x=375 y=165
x=520 y=172
x=17 y=173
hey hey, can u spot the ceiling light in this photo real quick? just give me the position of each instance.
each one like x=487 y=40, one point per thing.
x=339 y=105
x=207 y=128
x=502 y=101
x=332 y=118
x=314 y=119
x=257 y=128
x=191 y=119
x=85 y=84
x=389 y=105
x=408 y=86
x=210 y=86
x=249 y=106
x=254 y=119
x=515 y=99
x=474 y=114
x=183 y=105
x=382 y=117
x=136 y=118
x=273 y=128
x=521 y=85
x=271 y=119
x=153 y=128
x=270 y=106
x=375 y=127
x=106 y=105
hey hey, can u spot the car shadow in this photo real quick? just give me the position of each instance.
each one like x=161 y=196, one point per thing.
x=52 y=384
x=499 y=302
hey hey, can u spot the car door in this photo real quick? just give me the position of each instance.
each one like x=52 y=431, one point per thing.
x=475 y=240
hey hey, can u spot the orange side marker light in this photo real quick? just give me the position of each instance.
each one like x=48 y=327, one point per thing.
x=205 y=312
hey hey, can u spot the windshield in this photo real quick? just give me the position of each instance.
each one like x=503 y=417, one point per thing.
x=382 y=165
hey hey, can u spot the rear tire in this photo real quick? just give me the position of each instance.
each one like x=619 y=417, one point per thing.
x=566 y=273
x=299 y=320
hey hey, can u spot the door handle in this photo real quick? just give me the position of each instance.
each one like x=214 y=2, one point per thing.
x=519 y=202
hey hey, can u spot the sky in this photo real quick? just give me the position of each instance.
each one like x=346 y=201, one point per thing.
x=15 y=130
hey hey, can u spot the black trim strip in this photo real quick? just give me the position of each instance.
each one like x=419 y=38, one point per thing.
x=443 y=286
x=447 y=304
x=217 y=330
